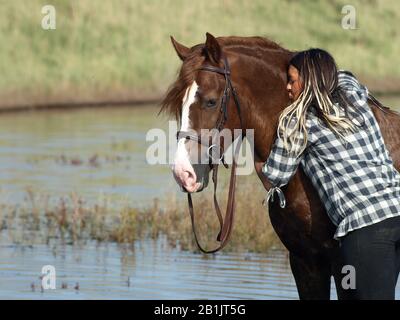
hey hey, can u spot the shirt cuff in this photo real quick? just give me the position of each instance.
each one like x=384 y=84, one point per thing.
x=270 y=195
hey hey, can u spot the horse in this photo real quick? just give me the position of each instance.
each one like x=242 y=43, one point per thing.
x=258 y=70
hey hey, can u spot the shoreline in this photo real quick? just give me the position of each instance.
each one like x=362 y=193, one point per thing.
x=65 y=105
x=75 y=98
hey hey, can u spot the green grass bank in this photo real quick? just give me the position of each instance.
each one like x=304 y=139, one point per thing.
x=119 y=50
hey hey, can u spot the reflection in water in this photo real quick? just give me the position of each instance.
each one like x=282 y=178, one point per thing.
x=151 y=270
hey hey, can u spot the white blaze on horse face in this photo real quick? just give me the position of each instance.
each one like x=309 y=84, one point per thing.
x=183 y=170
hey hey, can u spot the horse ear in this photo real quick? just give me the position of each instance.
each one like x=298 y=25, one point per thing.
x=180 y=49
x=212 y=48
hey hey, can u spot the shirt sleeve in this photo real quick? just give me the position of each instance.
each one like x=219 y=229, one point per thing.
x=354 y=91
x=282 y=165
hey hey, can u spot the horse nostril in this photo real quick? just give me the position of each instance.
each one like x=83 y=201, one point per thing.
x=190 y=175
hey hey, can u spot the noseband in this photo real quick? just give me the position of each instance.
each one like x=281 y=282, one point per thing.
x=227 y=224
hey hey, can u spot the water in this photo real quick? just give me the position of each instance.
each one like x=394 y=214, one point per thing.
x=151 y=271
x=92 y=152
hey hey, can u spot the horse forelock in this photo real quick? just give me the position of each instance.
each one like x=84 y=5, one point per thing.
x=172 y=101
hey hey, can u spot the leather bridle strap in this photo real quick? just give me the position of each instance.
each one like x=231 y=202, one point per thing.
x=227 y=224
x=226 y=72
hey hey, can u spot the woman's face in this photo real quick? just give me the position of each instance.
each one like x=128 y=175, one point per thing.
x=295 y=84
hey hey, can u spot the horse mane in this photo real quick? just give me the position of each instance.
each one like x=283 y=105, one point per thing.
x=172 y=101
x=382 y=107
x=250 y=42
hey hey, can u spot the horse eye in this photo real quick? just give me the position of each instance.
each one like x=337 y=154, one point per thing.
x=211 y=103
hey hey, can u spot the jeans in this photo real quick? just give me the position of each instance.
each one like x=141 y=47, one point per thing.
x=374 y=252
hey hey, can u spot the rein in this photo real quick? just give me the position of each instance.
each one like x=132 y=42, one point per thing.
x=226 y=225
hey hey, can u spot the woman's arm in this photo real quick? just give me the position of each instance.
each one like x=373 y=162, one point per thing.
x=281 y=166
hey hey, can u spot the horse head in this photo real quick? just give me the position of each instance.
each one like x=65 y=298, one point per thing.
x=198 y=96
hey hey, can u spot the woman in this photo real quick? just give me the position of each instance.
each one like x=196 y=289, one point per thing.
x=330 y=130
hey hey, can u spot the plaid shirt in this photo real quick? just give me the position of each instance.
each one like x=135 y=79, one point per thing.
x=356 y=181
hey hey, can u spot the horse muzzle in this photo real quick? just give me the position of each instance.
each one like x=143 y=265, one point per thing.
x=202 y=172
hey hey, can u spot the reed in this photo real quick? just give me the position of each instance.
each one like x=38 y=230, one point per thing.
x=71 y=220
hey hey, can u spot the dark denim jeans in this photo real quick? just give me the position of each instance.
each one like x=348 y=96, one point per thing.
x=374 y=251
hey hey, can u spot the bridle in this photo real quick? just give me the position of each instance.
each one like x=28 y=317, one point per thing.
x=227 y=224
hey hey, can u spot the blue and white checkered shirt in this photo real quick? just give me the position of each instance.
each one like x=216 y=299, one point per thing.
x=357 y=182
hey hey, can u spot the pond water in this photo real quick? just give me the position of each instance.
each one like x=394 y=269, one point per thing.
x=151 y=270
x=92 y=152
x=148 y=270
x=101 y=152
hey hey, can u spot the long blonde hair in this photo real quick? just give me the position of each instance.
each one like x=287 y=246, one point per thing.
x=318 y=73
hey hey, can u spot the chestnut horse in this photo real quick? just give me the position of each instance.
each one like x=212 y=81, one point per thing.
x=258 y=72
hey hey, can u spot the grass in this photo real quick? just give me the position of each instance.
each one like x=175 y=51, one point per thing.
x=122 y=48
x=72 y=221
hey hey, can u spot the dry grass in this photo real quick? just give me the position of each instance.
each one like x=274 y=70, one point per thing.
x=252 y=229
x=72 y=221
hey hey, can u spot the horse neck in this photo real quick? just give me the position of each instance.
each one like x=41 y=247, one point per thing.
x=261 y=84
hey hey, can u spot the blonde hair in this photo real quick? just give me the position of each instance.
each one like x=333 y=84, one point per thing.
x=318 y=72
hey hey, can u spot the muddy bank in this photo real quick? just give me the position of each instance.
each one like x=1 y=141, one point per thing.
x=72 y=104
x=18 y=100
